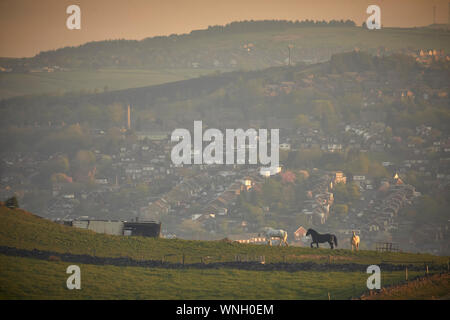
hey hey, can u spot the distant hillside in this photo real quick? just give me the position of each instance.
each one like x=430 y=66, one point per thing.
x=248 y=44
x=235 y=98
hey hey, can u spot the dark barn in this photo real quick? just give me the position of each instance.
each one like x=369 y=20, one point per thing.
x=145 y=229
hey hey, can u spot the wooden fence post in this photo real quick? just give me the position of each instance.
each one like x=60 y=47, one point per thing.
x=406 y=273
x=329 y=297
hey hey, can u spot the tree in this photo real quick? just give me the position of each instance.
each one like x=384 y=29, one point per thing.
x=344 y=193
x=388 y=132
x=12 y=203
x=307 y=157
x=325 y=111
x=349 y=105
x=59 y=164
x=340 y=192
x=271 y=191
x=84 y=158
x=302 y=121
x=353 y=192
x=376 y=170
x=359 y=165
x=288 y=176
x=116 y=113
x=341 y=209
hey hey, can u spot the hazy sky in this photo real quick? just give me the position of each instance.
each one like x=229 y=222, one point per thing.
x=30 y=26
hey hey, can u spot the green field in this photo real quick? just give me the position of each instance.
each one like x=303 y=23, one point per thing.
x=432 y=287
x=23 y=230
x=23 y=278
x=17 y=84
x=27 y=278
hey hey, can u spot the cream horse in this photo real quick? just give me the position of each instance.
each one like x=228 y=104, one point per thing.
x=274 y=233
x=355 y=241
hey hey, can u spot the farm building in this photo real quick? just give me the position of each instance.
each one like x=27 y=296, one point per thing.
x=120 y=228
x=144 y=229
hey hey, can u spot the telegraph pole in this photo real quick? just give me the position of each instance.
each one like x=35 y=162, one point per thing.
x=290 y=46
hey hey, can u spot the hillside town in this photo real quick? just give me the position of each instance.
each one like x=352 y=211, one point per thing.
x=342 y=174
x=205 y=196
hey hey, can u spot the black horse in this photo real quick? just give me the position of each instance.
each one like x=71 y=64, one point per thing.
x=321 y=238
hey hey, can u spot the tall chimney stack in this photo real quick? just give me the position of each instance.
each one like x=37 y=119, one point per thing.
x=129 y=118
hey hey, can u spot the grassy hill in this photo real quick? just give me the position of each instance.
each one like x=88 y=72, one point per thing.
x=122 y=64
x=248 y=48
x=20 y=229
x=24 y=278
x=18 y=84
x=232 y=98
x=422 y=288
x=27 y=278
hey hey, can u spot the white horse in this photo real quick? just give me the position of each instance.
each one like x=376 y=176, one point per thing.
x=274 y=233
x=355 y=241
